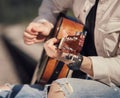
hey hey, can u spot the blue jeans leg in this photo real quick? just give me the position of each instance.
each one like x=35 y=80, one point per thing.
x=24 y=91
x=3 y=94
x=87 y=89
x=81 y=89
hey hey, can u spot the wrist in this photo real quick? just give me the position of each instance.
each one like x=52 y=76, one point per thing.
x=86 y=65
x=73 y=61
x=46 y=21
x=76 y=64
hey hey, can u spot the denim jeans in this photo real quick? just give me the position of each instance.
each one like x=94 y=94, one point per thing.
x=79 y=88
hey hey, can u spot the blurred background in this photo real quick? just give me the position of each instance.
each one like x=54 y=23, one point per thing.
x=17 y=60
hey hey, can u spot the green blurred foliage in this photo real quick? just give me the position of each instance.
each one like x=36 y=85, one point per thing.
x=14 y=11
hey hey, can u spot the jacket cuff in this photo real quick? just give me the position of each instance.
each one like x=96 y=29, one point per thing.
x=100 y=70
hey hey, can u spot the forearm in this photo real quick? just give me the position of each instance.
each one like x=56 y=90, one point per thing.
x=86 y=66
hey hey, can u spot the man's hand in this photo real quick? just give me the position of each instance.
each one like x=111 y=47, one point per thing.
x=51 y=48
x=36 y=32
x=53 y=51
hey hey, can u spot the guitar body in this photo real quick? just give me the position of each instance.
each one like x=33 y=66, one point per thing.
x=50 y=69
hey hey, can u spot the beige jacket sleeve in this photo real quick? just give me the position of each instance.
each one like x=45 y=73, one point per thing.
x=107 y=69
x=49 y=9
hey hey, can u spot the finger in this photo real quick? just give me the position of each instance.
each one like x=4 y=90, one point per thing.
x=51 y=52
x=54 y=40
x=41 y=36
x=51 y=44
x=28 y=41
x=38 y=40
x=28 y=35
x=41 y=29
x=51 y=48
x=51 y=41
x=30 y=29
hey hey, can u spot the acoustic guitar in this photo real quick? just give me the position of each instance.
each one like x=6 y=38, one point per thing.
x=71 y=37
